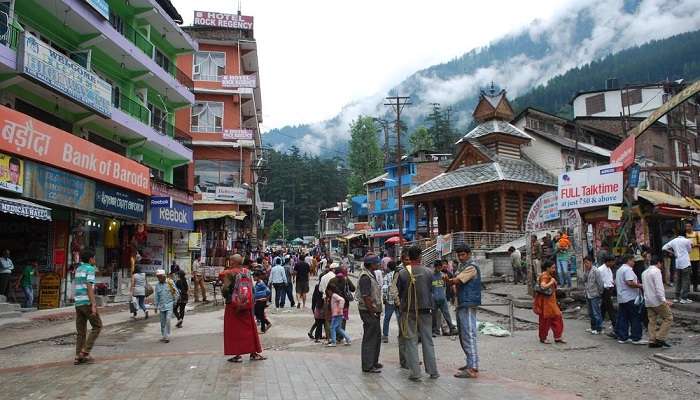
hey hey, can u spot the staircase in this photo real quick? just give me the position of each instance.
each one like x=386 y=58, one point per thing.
x=9 y=310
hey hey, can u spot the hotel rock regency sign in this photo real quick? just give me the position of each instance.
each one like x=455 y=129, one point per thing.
x=222 y=20
x=590 y=187
x=33 y=139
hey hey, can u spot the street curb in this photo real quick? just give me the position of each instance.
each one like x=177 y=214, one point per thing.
x=672 y=365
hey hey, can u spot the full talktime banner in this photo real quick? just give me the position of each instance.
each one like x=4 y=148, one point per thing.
x=30 y=138
x=223 y=20
x=591 y=187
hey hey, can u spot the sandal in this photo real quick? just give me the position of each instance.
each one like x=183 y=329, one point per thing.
x=545 y=341
x=257 y=357
x=468 y=373
x=236 y=359
x=562 y=341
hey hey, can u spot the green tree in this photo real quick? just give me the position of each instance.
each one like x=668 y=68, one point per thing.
x=278 y=231
x=421 y=140
x=365 y=158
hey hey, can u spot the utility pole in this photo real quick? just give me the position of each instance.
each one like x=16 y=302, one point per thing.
x=284 y=237
x=397 y=103
x=385 y=125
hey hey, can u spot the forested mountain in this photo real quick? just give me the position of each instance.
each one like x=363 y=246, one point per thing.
x=576 y=51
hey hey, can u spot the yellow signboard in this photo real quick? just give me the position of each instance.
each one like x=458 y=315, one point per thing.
x=614 y=213
x=195 y=242
x=49 y=291
x=11 y=173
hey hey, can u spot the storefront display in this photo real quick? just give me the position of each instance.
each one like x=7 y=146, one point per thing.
x=152 y=254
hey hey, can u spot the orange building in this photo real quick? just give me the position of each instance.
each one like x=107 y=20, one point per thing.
x=223 y=129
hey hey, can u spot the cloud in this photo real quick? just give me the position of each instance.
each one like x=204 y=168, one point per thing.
x=612 y=29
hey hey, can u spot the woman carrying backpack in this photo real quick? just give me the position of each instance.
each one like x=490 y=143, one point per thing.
x=240 y=331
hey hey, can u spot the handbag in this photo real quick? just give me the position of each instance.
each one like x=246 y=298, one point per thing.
x=148 y=289
x=545 y=292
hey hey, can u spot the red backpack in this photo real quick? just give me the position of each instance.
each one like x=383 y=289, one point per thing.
x=242 y=295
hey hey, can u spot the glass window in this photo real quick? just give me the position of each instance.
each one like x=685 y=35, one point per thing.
x=159 y=119
x=208 y=66
x=208 y=174
x=207 y=117
x=162 y=60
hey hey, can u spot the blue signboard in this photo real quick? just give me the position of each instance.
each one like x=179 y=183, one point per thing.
x=633 y=178
x=161 y=201
x=119 y=202
x=46 y=65
x=100 y=6
x=58 y=187
x=179 y=216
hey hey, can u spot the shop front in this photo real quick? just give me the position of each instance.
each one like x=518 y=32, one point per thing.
x=171 y=222
x=222 y=234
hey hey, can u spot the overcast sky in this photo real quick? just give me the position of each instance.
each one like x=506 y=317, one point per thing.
x=318 y=55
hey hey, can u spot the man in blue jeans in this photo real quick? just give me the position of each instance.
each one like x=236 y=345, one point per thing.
x=389 y=307
x=468 y=282
x=440 y=304
x=278 y=279
x=594 y=290
x=628 y=314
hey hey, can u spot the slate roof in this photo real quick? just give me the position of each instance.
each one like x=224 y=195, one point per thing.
x=571 y=144
x=495 y=126
x=502 y=169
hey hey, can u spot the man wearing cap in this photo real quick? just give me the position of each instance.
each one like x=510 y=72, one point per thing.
x=468 y=283
x=165 y=296
x=369 y=303
x=416 y=303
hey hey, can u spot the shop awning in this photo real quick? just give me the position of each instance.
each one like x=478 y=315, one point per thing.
x=664 y=199
x=200 y=215
x=24 y=208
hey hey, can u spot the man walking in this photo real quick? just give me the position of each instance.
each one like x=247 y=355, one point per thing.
x=415 y=293
x=394 y=294
x=369 y=303
x=25 y=282
x=606 y=307
x=629 y=316
x=536 y=251
x=681 y=247
x=301 y=274
x=468 y=282
x=85 y=308
x=6 y=267
x=198 y=280
x=594 y=291
x=658 y=308
x=278 y=278
x=166 y=295
x=516 y=263
x=694 y=238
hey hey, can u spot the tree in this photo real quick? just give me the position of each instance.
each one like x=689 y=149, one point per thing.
x=421 y=140
x=276 y=231
x=365 y=158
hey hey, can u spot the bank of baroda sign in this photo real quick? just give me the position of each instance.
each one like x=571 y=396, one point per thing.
x=590 y=187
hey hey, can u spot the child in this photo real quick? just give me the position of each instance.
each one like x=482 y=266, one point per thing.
x=337 y=304
x=262 y=292
x=315 y=333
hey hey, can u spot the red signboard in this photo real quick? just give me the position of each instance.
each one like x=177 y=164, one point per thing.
x=30 y=138
x=223 y=20
x=624 y=153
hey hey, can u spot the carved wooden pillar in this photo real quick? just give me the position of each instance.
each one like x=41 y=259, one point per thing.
x=448 y=215
x=520 y=211
x=482 y=203
x=416 y=215
x=465 y=228
x=502 y=206
x=429 y=214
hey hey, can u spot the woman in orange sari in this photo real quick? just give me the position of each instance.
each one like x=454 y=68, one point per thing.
x=546 y=305
x=240 y=332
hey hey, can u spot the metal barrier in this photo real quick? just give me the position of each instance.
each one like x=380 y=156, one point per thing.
x=511 y=313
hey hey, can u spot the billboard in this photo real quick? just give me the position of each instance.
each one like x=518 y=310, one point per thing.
x=46 y=65
x=238 y=134
x=624 y=153
x=591 y=187
x=120 y=202
x=544 y=209
x=223 y=20
x=177 y=216
x=226 y=193
x=11 y=173
x=239 y=81
x=33 y=139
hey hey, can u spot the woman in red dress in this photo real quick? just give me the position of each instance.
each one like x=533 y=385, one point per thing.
x=240 y=331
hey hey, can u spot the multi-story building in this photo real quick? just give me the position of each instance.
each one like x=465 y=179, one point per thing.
x=88 y=92
x=223 y=126
x=332 y=225
x=382 y=197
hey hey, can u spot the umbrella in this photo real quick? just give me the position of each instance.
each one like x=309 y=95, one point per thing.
x=393 y=240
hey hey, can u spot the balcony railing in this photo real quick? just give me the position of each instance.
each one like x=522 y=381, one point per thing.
x=132 y=107
x=11 y=36
x=139 y=40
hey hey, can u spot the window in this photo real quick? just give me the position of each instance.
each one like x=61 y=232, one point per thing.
x=207 y=117
x=630 y=97
x=658 y=153
x=117 y=22
x=684 y=155
x=595 y=104
x=208 y=66
x=162 y=60
x=385 y=194
x=158 y=174
x=685 y=188
x=208 y=174
x=159 y=119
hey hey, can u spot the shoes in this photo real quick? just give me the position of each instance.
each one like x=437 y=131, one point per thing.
x=686 y=301
x=414 y=378
x=589 y=330
x=654 y=345
x=146 y=315
x=179 y=324
x=378 y=366
x=385 y=339
x=640 y=342
x=298 y=305
x=612 y=334
x=676 y=300
x=434 y=376
x=347 y=342
x=624 y=341
x=372 y=371
x=331 y=345
x=165 y=340
x=560 y=341
x=663 y=344
x=595 y=332
x=310 y=336
x=467 y=373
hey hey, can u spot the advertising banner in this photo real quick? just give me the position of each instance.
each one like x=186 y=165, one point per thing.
x=238 y=134
x=544 y=209
x=225 y=193
x=49 y=290
x=33 y=139
x=11 y=173
x=239 y=81
x=46 y=65
x=591 y=187
x=120 y=202
x=153 y=254
x=179 y=216
x=59 y=187
x=165 y=190
x=161 y=201
x=624 y=153
x=223 y=20
x=195 y=240
x=100 y=6
x=268 y=205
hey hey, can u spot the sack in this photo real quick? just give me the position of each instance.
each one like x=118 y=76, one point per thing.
x=242 y=294
x=148 y=289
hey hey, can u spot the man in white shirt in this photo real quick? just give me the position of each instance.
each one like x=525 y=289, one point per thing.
x=278 y=279
x=606 y=305
x=6 y=267
x=327 y=275
x=629 y=316
x=681 y=247
x=657 y=305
